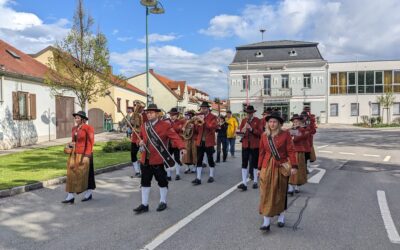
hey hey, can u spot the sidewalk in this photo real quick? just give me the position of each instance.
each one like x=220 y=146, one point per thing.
x=106 y=136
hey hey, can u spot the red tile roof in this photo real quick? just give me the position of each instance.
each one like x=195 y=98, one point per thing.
x=166 y=82
x=24 y=65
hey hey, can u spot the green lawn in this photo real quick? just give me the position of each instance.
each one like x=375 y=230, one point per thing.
x=43 y=164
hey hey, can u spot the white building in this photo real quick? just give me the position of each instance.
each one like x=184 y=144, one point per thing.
x=286 y=75
x=29 y=113
x=355 y=86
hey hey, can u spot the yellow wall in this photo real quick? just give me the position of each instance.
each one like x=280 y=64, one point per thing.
x=162 y=96
x=45 y=57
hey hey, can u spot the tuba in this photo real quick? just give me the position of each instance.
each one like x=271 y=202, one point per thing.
x=137 y=118
x=188 y=130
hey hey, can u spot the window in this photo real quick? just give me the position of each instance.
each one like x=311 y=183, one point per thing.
x=246 y=82
x=307 y=81
x=267 y=85
x=351 y=89
x=127 y=105
x=361 y=82
x=396 y=108
x=334 y=84
x=378 y=77
x=369 y=81
x=24 y=106
x=334 y=109
x=396 y=81
x=342 y=83
x=118 y=104
x=387 y=81
x=285 y=81
x=354 y=109
x=375 y=109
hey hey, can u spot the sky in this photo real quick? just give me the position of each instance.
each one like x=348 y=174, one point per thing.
x=195 y=40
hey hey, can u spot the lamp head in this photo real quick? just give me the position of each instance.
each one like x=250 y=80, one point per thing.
x=159 y=9
x=148 y=3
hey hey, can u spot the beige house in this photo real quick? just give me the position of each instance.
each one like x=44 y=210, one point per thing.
x=122 y=92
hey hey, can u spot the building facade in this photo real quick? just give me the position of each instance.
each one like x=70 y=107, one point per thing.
x=284 y=75
x=354 y=88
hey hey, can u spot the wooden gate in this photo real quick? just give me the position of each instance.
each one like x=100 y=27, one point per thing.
x=96 y=120
x=64 y=120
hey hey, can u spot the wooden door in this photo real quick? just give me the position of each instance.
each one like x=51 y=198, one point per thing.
x=64 y=120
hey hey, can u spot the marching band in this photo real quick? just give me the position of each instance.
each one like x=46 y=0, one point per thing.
x=273 y=157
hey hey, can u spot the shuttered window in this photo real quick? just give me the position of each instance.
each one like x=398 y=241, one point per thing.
x=24 y=106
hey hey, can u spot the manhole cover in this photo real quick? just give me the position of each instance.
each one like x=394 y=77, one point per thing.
x=368 y=167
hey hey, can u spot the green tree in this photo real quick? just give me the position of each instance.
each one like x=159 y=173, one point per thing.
x=82 y=60
x=386 y=101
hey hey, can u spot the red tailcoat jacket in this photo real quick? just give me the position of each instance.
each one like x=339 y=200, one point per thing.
x=166 y=133
x=85 y=133
x=284 y=145
x=209 y=127
x=300 y=140
x=251 y=139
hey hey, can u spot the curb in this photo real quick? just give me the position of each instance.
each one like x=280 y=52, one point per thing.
x=57 y=181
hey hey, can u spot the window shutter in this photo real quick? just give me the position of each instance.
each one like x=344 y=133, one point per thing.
x=15 y=106
x=32 y=106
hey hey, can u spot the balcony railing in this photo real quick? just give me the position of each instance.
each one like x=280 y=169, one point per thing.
x=277 y=92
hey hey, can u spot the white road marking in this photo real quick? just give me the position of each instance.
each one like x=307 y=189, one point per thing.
x=371 y=155
x=323 y=151
x=387 y=158
x=180 y=224
x=314 y=166
x=324 y=146
x=346 y=153
x=387 y=218
x=317 y=177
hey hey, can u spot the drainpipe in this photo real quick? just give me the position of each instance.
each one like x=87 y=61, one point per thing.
x=326 y=93
x=1 y=89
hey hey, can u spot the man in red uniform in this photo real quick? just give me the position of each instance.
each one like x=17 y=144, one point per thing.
x=155 y=132
x=205 y=142
x=251 y=127
x=177 y=124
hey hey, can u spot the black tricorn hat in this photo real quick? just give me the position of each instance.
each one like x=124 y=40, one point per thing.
x=296 y=117
x=205 y=105
x=307 y=109
x=82 y=114
x=267 y=111
x=276 y=115
x=153 y=107
x=250 y=109
x=173 y=111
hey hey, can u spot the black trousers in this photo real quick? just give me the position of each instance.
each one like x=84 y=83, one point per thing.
x=158 y=171
x=175 y=152
x=200 y=155
x=134 y=151
x=91 y=181
x=222 y=141
x=307 y=156
x=250 y=158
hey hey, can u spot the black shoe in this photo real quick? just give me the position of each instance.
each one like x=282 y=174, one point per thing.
x=281 y=224
x=177 y=178
x=87 y=199
x=290 y=193
x=255 y=185
x=251 y=177
x=210 y=180
x=196 y=182
x=162 y=206
x=169 y=178
x=193 y=171
x=265 y=228
x=187 y=171
x=141 y=209
x=242 y=187
x=297 y=191
x=71 y=201
x=138 y=175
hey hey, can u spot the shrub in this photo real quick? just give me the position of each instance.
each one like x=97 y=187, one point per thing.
x=379 y=120
x=113 y=146
x=372 y=120
x=365 y=119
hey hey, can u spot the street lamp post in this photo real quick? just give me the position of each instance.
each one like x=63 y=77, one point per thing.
x=154 y=7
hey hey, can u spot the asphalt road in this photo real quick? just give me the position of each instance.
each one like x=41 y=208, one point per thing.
x=339 y=212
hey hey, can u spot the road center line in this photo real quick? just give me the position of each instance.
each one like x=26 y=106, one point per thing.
x=346 y=153
x=387 y=218
x=371 y=155
x=324 y=146
x=317 y=177
x=323 y=151
x=387 y=158
x=183 y=222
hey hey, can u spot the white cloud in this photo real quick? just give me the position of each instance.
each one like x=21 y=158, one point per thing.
x=153 y=38
x=26 y=31
x=199 y=70
x=124 y=38
x=115 y=31
x=344 y=29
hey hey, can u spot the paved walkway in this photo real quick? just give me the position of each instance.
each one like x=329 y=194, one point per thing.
x=106 y=136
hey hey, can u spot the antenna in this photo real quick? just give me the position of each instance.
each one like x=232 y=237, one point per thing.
x=262 y=30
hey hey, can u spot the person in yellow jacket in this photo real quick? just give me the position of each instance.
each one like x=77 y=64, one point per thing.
x=231 y=132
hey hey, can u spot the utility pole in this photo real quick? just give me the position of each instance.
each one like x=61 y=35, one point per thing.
x=262 y=33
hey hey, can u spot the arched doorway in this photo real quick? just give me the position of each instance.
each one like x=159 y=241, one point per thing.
x=96 y=120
